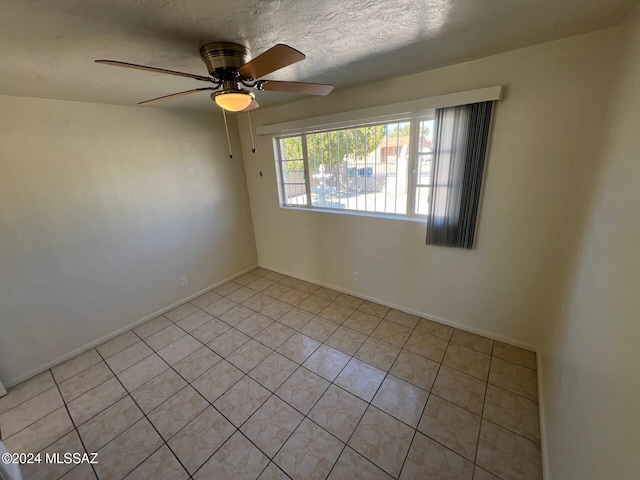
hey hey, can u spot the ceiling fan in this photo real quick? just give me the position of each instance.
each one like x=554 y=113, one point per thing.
x=232 y=72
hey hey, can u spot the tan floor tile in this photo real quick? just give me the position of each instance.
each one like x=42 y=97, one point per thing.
x=107 y=425
x=275 y=309
x=273 y=371
x=275 y=276
x=237 y=458
x=96 y=400
x=174 y=413
x=120 y=456
x=197 y=363
x=309 y=453
x=260 y=284
x=302 y=389
x=313 y=304
x=129 y=356
x=327 y=293
x=361 y=379
x=227 y=288
x=40 y=434
x=30 y=411
x=249 y=355
x=362 y=322
x=353 y=466
x=228 y=342
x=482 y=474
x=307 y=286
x=424 y=344
x=349 y=300
x=402 y=318
x=152 y=326
x=180 y=349
x=236 y=315
x=272 y=472
x=401 y=399
x=162 y=464
x=434 y=328
x=275 y=335
x=377 y=353
x=515 y=378
x=241 y=400
x=157 y=390
x=180 y=312
x=290 y=281
x=452 y=426
x=242 y=294
x=392 y=333
x=299 y=347
x=294 y=296
x=459 y=388
x=210 y=330
x=338 y=412
x=75 y=365
x=374 y=309
x=276 y=290
x=428 y=459
x=513 y=412
x=116 y=344
x=70 y=443
x=258 y=302
x=84 y=381
x=194 y=320
x=26 y=390
x=346 y=340
x=415 y=369
x=383 y=440
x=220 y=306
x=471 y=340
x=508 y=455
x=217 y=380
x=336 y=313
x=254 y=324
x=142 y=372
x=205 y=299
x=319 y=328
x=81 y=472
x=164 y=337
x=200 y=438
x=326 y=362
x=271 y=425
x=247 y=278
x=517 y=355
x=467 y=361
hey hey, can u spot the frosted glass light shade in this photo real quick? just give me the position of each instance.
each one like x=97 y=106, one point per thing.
x=234 y=101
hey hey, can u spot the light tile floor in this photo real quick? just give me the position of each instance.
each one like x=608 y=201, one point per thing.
x=270 y=377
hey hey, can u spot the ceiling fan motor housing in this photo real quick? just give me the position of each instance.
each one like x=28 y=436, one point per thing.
x=223 y=57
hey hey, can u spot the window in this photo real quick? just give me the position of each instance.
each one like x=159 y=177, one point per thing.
x=382 y=168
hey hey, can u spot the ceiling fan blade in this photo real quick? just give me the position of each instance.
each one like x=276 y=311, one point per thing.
x=277 y=57
x=297 y=87
x=252 y=106
x=173 y=95
x=153 y=69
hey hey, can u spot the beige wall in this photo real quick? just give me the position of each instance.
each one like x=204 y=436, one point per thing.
x=102 y=209
x=591 y=353
x=545 y=132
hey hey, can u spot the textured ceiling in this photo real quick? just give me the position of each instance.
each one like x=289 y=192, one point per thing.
x=47 y=47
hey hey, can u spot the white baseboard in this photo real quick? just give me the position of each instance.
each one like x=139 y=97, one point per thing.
x=460 y=326
x=84 y=348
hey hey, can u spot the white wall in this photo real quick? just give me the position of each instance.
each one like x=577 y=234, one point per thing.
x=545 y=132
x=591 y=355
x=102 y=209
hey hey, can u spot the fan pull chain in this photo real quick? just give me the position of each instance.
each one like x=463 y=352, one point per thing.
x=226 y=128
x=253 y=147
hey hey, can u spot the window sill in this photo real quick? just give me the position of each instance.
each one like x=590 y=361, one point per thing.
x=355 y=213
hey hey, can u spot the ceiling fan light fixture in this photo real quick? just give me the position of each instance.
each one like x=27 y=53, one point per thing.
x=233 y=101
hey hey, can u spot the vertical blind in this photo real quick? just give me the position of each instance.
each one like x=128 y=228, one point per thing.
x=461 y=136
